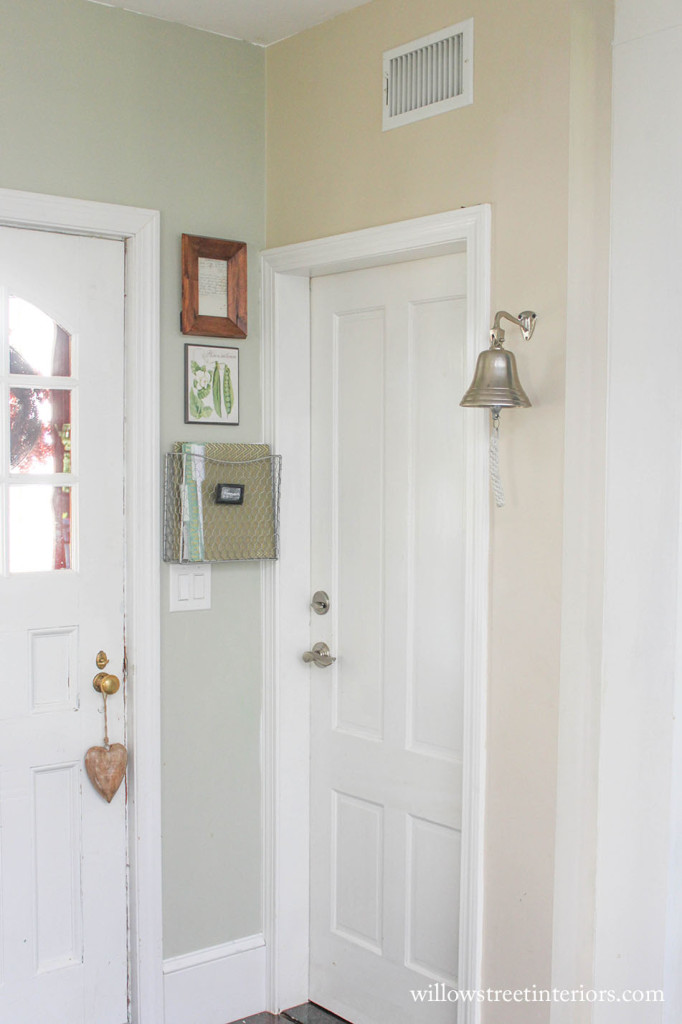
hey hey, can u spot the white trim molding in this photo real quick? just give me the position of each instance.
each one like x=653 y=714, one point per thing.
x=637 y=935
x=215 y=985
x=139 y=229
x=209 y=955
x=286 y=426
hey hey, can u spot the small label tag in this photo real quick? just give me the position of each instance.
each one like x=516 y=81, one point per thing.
x=229 y=494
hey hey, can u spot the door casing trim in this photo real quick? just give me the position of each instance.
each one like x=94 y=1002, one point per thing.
x=286 y=274
x=139 y=229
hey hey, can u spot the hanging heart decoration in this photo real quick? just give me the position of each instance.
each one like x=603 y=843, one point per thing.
x=106 y=768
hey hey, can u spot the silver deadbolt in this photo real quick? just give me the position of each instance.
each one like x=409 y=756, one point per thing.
x=320 y=655
x=320 y=602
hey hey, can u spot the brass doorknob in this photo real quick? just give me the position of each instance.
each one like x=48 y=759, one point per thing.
x=106 y=683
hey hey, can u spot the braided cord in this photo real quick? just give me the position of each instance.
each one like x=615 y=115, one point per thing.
x=494 y=459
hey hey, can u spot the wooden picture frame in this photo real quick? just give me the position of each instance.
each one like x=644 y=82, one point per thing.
x=213 y=287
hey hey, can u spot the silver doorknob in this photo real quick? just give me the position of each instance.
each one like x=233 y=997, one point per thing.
x=320 y=655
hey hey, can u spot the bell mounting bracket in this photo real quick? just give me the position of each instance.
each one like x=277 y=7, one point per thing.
x=525 y=320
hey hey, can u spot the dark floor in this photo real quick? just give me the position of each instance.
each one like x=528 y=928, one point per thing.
x=307 y=1013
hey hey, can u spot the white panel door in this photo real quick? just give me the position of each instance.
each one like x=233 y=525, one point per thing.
x=62 y=847
x=389 y=548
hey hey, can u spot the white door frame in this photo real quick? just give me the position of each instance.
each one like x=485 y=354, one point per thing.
x=139 y=229
x=286 y=274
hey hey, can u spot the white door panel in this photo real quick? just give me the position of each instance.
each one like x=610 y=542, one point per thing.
x=63 y=848
x=388 y=545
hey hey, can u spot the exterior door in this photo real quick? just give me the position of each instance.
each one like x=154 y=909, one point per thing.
x=63 y=847
x=389 y=549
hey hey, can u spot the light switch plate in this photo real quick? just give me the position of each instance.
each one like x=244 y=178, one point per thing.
x=190 y=587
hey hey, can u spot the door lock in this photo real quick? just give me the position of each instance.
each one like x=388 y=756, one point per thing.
x=320 y=655
x=320 y=602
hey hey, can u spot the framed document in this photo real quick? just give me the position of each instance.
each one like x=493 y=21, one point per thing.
x=213 y=287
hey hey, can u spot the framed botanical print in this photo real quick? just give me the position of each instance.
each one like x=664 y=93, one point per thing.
x=211 y=384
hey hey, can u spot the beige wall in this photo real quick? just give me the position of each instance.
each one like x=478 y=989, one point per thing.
x=331 y=169
x=100 y=104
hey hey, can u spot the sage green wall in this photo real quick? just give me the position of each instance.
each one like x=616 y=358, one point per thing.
x=100 y=104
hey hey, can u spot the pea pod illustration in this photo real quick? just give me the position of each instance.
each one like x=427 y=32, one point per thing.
x=216 y=391
x=228 y=393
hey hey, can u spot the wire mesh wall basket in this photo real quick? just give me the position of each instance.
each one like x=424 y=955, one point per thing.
x=221 y=503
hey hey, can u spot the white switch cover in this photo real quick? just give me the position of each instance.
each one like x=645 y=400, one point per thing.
x=190 y=587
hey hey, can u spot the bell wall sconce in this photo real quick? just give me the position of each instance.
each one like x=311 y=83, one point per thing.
x=496 y=386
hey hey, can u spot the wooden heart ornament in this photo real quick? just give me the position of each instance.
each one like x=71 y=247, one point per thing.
x=106 y=767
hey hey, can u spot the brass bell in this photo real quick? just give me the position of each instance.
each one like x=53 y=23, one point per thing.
x=496 y=383
x=496 y=386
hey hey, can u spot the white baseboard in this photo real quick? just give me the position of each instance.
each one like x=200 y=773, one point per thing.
x=216 y=985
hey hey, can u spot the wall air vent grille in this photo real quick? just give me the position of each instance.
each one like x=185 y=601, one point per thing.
x=429 y=76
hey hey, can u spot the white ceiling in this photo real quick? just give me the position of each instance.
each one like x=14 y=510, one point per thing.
x=258 y=21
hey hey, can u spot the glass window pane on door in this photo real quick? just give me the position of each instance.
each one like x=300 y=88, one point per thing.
x=37 y=345
x=40 y=430
x=39 y=528
x=36 y=375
